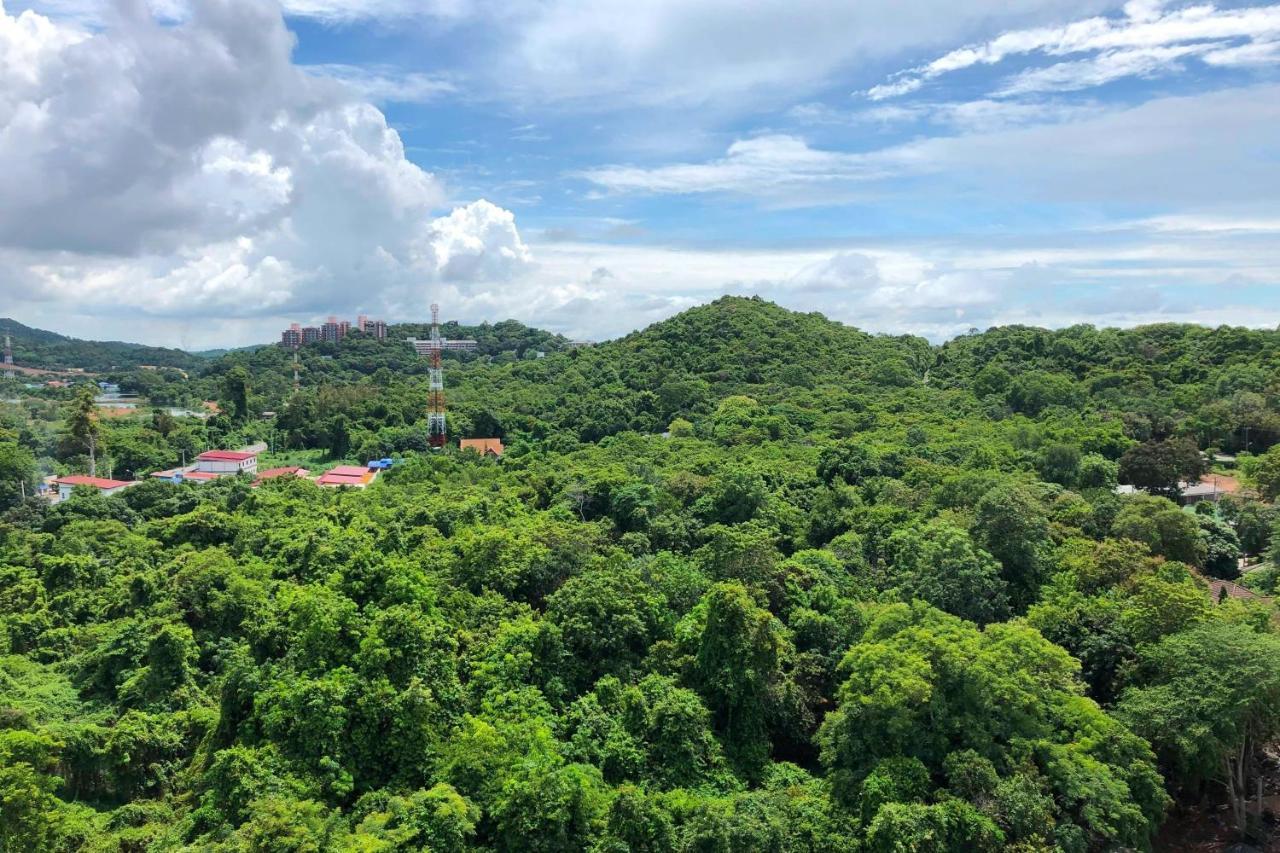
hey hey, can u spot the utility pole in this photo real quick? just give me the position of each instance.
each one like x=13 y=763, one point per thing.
x=437 y=427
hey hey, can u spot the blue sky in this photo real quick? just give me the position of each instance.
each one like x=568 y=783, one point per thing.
x=199 y=173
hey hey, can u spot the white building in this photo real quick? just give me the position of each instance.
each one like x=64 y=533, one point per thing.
x=225 y=463
x=108 y=487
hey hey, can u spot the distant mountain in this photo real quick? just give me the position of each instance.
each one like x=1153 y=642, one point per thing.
x=49 y=350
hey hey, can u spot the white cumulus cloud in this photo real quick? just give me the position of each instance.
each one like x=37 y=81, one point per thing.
x=189 y=169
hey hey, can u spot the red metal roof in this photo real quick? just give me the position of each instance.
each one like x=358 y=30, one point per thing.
x=346 y=475
x=347 y=471
x=97 y=482
x=199 y=475
x=225 y=456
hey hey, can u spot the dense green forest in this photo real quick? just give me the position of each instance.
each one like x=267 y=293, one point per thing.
x=746 y=580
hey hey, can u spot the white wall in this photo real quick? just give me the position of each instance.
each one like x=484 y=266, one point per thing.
x=221 y=466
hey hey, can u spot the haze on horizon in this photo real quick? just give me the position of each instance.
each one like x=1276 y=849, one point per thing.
x=200 y=173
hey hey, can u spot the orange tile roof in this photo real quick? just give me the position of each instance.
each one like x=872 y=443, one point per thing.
x=482 y=445
x=271 y=473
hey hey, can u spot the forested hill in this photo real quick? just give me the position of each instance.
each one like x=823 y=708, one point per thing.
x=804 y=370
x=750 y=341
x=51 y=351
x=745 y=580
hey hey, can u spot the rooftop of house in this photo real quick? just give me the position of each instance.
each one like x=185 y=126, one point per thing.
x=346 y=475
x=225 y=456
x=295 y=470
x=287 y=471
x=1232 y=590
x=97 y=482
x=1211 y=484
x=482 y=445
x=348 y=470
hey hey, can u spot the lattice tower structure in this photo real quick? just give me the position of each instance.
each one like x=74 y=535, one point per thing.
x=433 y=348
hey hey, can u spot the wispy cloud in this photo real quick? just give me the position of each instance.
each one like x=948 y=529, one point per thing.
x=764 y=165
x=1146 y=40
x=983 y=114
x=384 y=84
x=1198 y=224
x=1169 y=152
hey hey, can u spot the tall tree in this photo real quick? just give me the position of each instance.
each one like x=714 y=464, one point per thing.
x=1210 y=701
x=1011 y=525
x=736 y=666
x=84 y=424
x=235 y=386
x=17 y=473
x=1160 y=466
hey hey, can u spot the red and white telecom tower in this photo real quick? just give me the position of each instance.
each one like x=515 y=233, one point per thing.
x=437 y=429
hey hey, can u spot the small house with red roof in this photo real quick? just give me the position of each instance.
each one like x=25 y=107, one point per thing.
x=347 y=475
x=66 y=485
x=225 y=463
x=1220 y=590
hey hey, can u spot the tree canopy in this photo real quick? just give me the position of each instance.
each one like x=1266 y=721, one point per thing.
x=744 y=580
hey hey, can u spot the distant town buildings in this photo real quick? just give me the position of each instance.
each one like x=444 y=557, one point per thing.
x=332 y=330
x=376 y=328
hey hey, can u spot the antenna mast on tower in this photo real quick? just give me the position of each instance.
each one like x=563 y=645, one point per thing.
x=437 y=426
x=8 y=357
